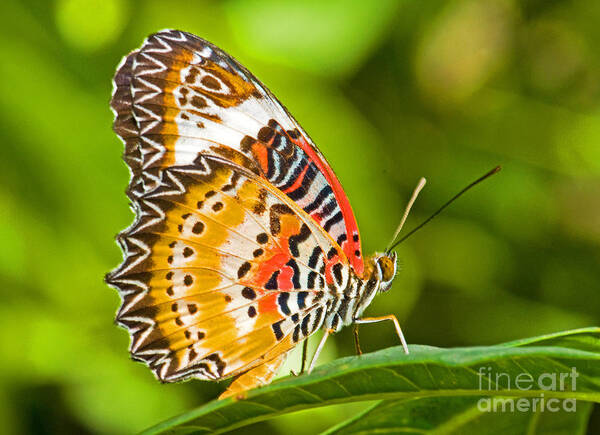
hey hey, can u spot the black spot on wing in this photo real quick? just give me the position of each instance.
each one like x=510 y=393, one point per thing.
x=304 y=325
x=343 y=308
x=249 y=293
x=316 y=203
x=243 y=270
x=262 y=238
x=272 y=282
x=302 y=300
x=333 y=220
x=277 y=330
x=307 y=181
x=293 y=241
x=314 y=257
x=337 y=273
x=296 y=334
x=329 y=207
x=198 y=228
x=312 y=276
x=282 y=301
x=317 y=319
x=295 y=274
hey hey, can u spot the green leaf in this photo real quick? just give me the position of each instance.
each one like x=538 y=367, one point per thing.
x=324 y=38
x=463 y=374
x=448 y=415
x=461 y=415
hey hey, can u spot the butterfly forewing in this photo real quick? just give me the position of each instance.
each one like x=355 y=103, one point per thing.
x=179 y=97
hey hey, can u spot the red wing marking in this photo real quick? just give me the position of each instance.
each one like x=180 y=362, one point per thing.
x=351 y=246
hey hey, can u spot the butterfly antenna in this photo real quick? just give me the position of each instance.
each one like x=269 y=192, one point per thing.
x=454 y=198
x=416 y=192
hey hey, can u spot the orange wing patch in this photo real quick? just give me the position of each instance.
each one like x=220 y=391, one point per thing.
x=223 y=87
x=260 y=375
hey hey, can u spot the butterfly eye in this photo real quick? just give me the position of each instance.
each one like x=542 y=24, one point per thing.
x=387 y=268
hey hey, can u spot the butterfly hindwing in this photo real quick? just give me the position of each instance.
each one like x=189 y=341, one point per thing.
x=179 y=97
x=222 y=273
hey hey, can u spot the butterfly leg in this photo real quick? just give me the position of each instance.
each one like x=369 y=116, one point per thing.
x=253 y=378
x=304 y=351
x=356 y=340
x=396 y=325
x=327 y=333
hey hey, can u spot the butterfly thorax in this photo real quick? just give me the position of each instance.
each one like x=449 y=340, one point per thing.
x=346 y=307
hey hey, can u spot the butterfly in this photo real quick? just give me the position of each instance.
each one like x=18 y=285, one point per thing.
x=244 y=243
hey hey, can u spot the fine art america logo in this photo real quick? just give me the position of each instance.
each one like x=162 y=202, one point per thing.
x=505 y=382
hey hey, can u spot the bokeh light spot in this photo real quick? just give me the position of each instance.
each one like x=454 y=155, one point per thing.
x=89 y=25
x=549 y=40
x=466 y=44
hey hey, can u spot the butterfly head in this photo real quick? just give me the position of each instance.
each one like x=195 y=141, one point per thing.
x=385 y=269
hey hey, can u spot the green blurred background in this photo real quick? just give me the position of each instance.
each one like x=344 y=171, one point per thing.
x=391 y=91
